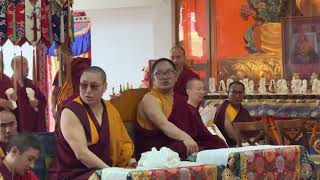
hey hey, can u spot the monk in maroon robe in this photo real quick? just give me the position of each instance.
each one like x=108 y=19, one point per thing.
x=5 y=84
x=8 y=128
x=31 y=105
x=90 y=134
x=167 y=120
x=184 y=73
x=231 y=111
x=23 y=151
x=70 y=89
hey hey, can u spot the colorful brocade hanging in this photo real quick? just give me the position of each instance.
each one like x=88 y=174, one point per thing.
x=33 y=21
x=36 y=20
x=3 y=24
x=45 y=24
x=59 y=20
x=16 y=22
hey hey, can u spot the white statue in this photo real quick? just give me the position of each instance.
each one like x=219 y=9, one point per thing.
x=296 y=84
x=245 y=82
x=316 y=86
x=251 y=87
x=262 y=86
x=304 y=86
x=212 y=85
x=281 y=86
x=272 y=86
x=222 y=86
x=229 y=81
x=313 y=77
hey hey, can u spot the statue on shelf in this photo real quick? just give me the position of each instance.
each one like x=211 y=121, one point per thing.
x=281 y=86
x=316 y=86
x=313 y=77
x=212 y=85
x=296 y=84
x=250 y=87
x=245 y=82
x=262 y=86
x=222 y=86
x=304 y=86
x=272 y=86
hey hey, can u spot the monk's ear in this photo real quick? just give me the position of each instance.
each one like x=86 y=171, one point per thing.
x=188 y=92
x=105 y=86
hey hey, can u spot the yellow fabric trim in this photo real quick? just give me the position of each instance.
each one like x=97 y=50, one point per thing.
x=121 y=146
x=210 y=123
x=166 y=104
x=94 y=131
x=2 y=154
x=231 y=112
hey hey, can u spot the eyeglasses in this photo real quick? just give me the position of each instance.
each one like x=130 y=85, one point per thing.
x=168 y=74
x=93 y=87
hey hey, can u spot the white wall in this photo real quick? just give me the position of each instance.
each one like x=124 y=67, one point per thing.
x=163 y=16
x=107 y=4
x=127 y=33
x=122 y=42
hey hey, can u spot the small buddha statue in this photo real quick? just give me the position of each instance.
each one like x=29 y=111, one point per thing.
x=304 y=86
x=316 y=86
x=222 y=86
x=281 y=86
x=212 y=85
x=272 y=86
x=262 y=85
x=250 y=87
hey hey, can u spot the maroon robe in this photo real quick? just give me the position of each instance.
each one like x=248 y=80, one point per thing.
x=66 y=166
x=7 y=175
x=186 y=75
x=5 y=84
x=242 y=116
x=30 y=120
x=186 y=118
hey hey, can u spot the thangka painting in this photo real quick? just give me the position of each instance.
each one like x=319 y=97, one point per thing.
x=301 y=46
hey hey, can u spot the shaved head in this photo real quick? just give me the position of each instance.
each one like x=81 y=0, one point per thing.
x=96 y=69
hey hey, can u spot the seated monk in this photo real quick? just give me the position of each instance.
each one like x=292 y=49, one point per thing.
x=22 y=152
x=31 y=112
x=184 y=73
x=90 y=134
x=231 y=111
x=8 y=128
x=196 y=128
x=163 y=119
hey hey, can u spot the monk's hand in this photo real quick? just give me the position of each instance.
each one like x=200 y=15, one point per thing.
x=34 y=103
x=132 y=163
x=7 y=104
x=191 y=145
x=13 y=96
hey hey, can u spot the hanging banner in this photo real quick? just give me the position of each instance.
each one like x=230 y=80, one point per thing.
x=59 y=20
x=15 y=22
x=46 y=36
x=3 y=24
x=33 y=21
